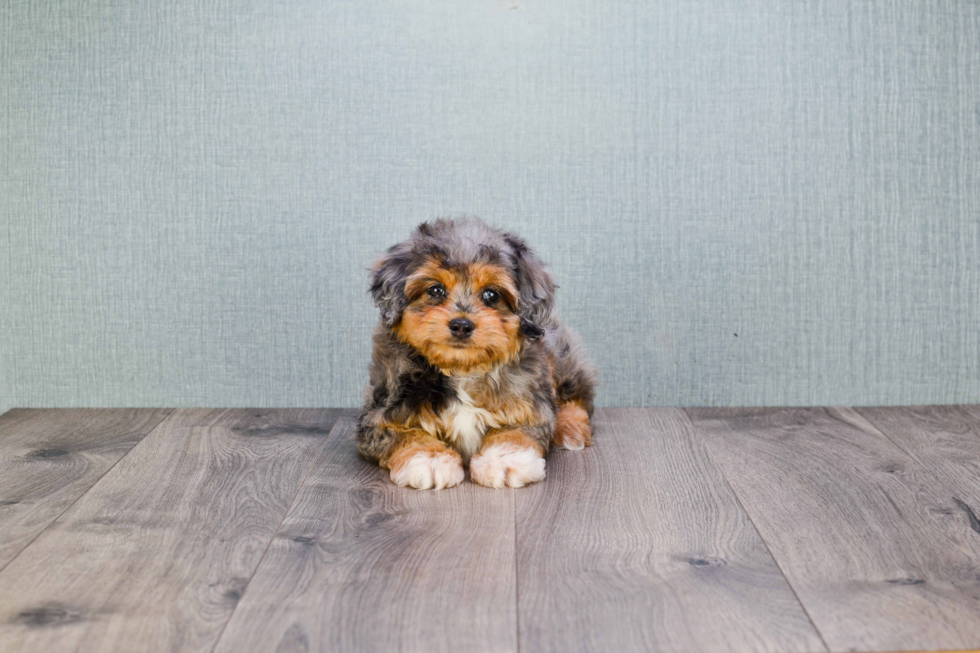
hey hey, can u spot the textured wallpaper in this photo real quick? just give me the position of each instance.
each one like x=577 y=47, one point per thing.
x=753 y=203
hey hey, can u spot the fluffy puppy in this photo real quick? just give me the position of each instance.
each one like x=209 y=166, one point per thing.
x=471 y=363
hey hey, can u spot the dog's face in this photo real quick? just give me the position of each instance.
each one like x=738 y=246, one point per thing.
x=462 y=294
x=462 y=318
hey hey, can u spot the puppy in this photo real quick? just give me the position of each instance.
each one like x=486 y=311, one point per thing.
x=471 y=363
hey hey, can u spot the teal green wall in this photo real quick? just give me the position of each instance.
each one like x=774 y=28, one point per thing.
x=767 y=202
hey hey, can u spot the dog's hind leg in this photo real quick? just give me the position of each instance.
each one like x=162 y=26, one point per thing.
x=573 y=427
x=575 y=381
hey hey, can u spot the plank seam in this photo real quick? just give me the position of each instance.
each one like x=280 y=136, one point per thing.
x=168 y=412
x=738 y=499
x=517 y=577
x=335 y=428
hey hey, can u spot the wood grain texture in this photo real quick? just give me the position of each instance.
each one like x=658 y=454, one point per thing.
x=363 y=565
x=156 y=555
x=639 y=544
x=870 y=539
x=946 y=440
x=50 y=457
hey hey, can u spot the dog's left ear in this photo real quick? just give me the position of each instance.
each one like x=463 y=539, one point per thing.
x=535 y=288
x=388 y=282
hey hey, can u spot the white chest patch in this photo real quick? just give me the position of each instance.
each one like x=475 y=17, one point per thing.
x=466 y=423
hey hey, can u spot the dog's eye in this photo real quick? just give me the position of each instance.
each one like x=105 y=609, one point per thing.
x=490 y=296
x=437 y=291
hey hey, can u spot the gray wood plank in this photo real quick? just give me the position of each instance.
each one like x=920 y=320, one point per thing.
x=156 y=554
x=363 y=565
x=50 y=457
x=869 y=538
x=638 y=544
x=946 y=440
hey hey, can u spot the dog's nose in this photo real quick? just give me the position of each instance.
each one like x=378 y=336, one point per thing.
x=461 y=327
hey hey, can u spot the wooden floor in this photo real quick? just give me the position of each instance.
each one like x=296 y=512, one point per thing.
x=816 y=529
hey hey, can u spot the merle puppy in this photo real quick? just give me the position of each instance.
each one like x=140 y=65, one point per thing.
x=471 y=362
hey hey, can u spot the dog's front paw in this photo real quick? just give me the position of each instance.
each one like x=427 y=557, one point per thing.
x=427 y=470
x=507 y=465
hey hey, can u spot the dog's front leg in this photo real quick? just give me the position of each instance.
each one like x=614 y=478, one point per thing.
x=419 y=459
x=508 y=457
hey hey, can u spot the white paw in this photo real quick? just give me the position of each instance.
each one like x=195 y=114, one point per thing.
x=507 y=465
x=425 y=471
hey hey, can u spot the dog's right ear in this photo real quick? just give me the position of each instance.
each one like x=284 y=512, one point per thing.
x=388 y=282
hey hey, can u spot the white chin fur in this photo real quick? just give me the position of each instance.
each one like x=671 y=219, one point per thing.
x=507 y=465
x=425 y=472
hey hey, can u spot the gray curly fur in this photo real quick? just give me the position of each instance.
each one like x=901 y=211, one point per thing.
x=402 y=380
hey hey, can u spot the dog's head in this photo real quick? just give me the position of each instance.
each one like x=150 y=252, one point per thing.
x=463 y=294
